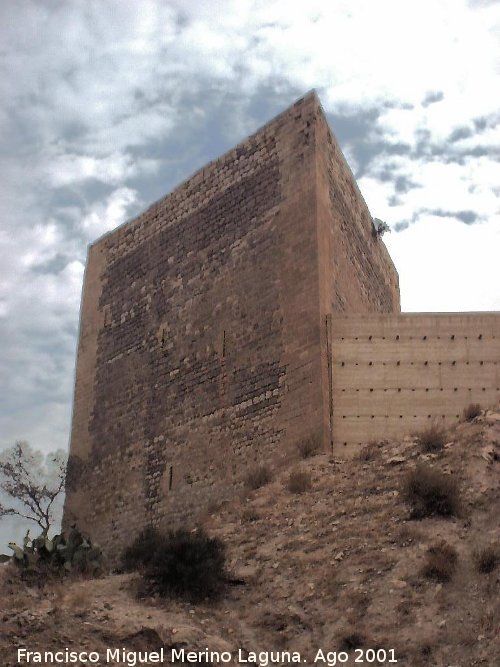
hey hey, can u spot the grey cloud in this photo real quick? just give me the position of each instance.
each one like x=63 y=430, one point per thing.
x=432 y=98
x=460 y=133
x=467 y=217
x=403 y=184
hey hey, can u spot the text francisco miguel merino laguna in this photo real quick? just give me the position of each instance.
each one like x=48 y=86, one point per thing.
x=129 y=658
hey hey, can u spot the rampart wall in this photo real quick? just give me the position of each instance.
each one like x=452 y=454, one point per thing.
x=396 y=374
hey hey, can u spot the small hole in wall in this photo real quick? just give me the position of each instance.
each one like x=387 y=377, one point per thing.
x=480 y=336
x=452 y=337
x=424 y=338
x=170 y=478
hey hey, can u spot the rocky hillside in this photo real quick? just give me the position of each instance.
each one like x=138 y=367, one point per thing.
x=338 y=565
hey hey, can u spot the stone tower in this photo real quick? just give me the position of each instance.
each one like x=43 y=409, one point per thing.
x=204 y=335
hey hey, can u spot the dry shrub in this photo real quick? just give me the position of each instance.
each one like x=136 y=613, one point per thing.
x=472 y=411
x=140 y=552
x=258 y=477
x=487 y=558
x=188 y=565
x=249 y=515
x=351 y=641
x=309 y=446
x=408 y=535
x=369 y=452
x=299 y=481
x=441 y=562
x=430 y=492
x=432 y=439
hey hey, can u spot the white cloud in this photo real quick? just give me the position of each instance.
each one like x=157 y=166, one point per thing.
x=438 y=186
x=108 y=215
x=116 y=168
x=445 y=265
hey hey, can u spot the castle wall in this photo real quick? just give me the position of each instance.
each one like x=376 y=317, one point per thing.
x=355 y=270
x=249 y=309
x=200 y=339
x=397 y=374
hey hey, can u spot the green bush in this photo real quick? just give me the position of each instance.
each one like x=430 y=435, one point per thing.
x=189 y=565
x=44 y=557
x=430 y=492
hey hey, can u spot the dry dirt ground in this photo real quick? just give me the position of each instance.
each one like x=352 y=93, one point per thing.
x=334 y=567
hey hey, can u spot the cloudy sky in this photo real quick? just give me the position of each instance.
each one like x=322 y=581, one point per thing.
x=106 y=105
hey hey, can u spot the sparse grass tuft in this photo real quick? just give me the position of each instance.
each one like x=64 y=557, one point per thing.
x=258 y=477
x=432 y=439
x=471 y=412
x=430 y=492
x=441 y=562
x=249 y=515
x=369 y=452
x=487 y=559
x=299 y=481
x=309 y=446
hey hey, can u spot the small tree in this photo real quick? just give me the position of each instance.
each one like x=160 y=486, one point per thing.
x=380 y=228
x=31 y=482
